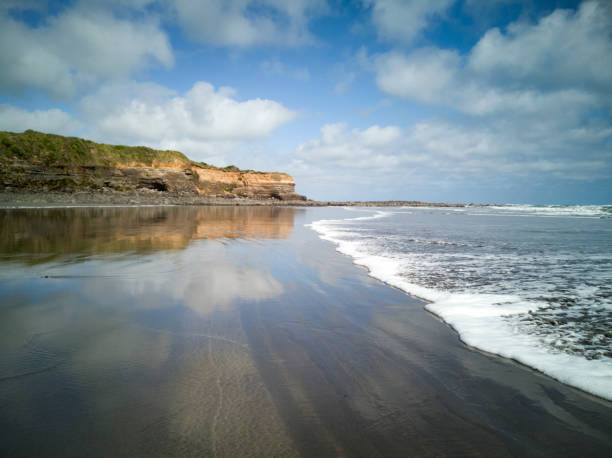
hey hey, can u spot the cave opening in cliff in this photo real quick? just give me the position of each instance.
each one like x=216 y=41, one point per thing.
x=159 y=186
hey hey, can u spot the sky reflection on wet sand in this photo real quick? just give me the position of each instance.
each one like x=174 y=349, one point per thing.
x=123 y=323
x=173 y=331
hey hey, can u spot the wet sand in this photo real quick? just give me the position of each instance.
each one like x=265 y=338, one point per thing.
x=155 y=332
x=25 y=199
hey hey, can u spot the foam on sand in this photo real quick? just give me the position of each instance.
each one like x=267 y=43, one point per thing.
x=489 y=322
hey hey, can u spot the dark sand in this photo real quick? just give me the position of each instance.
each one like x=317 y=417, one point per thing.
x=237 y=332
x=106 y=197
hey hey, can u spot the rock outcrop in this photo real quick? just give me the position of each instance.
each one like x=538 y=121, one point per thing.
x=246 y=184
x=37 y=162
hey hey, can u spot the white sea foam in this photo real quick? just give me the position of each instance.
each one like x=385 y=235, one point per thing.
x=584 y=211
x=579 y=211
x=493 y=323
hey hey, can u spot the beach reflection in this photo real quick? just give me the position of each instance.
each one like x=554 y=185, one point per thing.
x=42 y=235
x=123 y=326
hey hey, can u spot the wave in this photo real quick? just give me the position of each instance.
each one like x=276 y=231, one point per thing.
x=489 y=322
x=583 y=211
x=579 y=211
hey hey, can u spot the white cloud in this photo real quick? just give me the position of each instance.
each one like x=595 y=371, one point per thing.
x=76 y=47
x=403 y=21
x=55 y=121
x=438 y=77
x=248 y=22
x=425 y=75
x=439 y=149
x=376 y=147
x=557 y=66
x=566 y=49
x=204 y=122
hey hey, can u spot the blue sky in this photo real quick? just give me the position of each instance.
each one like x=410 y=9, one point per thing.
x=439 y=100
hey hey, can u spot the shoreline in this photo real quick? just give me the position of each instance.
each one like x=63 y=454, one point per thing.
x=589 y=378
x=425 y=302
x=411 y=370
x=453 y=329
x=439 y=318
x=10 y=199
x=274 y=346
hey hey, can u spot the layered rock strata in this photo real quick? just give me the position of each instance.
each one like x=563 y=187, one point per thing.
x=25 y=165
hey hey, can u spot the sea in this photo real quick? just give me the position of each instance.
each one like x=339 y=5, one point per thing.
x=530 y=283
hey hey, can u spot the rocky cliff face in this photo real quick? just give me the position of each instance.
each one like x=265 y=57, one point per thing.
x=177 y=180
x=40 y=162
x=246 y=184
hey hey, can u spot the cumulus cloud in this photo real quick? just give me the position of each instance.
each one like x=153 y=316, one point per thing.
x=403 y=21
x=530 y=104
x=248 y=22
x=425 y=75
x=554 y=66
x=78 y=46
x=376 y=147
x=440 y=77
x=437 y=149
x=566 y=49
x=205 y=121
x=55 y=121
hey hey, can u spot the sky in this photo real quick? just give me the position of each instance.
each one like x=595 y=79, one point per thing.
x=496 y=101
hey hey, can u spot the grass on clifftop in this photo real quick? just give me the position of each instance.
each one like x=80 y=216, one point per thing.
x=59 y=151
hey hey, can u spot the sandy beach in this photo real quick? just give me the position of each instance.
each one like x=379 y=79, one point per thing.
x=236 y=331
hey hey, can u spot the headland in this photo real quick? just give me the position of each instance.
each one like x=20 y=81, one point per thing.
x=34 y=162
x=39 y=169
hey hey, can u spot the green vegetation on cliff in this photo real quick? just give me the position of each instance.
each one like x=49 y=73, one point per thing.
x=36 y=162
x=58 y=151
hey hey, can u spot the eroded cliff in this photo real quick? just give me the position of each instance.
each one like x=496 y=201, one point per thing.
x=34 y=161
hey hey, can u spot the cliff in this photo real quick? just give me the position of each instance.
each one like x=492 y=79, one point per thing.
x=37 y=162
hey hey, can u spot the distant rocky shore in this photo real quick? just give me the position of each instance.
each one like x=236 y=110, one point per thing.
x=12 y=198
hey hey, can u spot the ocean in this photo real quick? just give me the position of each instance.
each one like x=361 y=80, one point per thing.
x=529 y=283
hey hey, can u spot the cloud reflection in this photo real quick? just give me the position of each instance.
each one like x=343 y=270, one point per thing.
x=130 y=320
